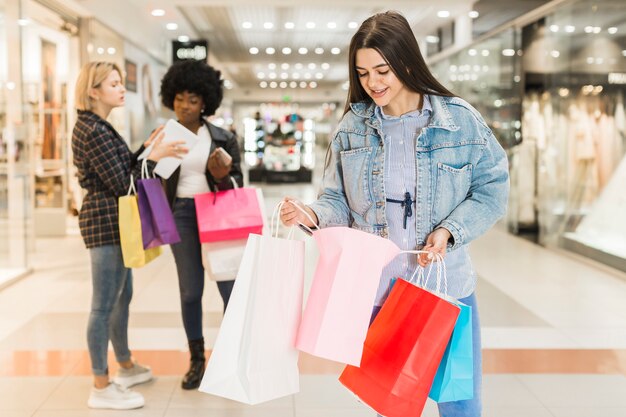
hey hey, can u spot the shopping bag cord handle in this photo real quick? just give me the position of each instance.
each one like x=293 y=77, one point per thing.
x=131 y=188
x=293 y=203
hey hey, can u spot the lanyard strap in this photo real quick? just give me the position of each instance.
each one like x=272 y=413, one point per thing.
x=407 y=204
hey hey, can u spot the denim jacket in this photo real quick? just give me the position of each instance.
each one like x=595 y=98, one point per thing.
x=462 y=179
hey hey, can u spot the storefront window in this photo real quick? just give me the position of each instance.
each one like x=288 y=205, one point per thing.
x=575 y=66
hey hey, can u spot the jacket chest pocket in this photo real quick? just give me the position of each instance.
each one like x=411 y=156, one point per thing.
x=451 y=188
x=355 y=165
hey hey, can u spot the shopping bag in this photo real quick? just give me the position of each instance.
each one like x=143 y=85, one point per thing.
x=221 y=259
x=254 y=359
x=228 y=215
x=402 y=351
x=454 y=380
x=133 y=253
x=157 y=221
x=338 y=309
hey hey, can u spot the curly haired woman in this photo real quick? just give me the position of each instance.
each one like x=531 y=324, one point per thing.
x=193 y=90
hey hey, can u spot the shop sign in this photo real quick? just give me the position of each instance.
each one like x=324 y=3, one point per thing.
x=191 y=50
x=617 y=78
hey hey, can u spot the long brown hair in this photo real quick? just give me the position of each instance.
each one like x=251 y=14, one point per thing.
x=390 y=34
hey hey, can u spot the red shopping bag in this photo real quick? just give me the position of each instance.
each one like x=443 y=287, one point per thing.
x=402 y=351
x=228 y=215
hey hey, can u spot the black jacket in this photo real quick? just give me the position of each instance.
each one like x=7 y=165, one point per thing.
x=220 y=138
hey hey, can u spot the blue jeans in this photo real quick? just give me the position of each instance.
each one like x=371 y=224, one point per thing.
x=188 y=257
x=108 y=320
x=473 y=407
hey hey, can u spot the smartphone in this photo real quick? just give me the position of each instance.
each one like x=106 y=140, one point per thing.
x=305 y=230
x=226 y=158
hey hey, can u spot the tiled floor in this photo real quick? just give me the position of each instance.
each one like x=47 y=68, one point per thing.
x=554 y=336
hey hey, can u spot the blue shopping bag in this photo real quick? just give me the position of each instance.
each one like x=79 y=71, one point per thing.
x=454 y=380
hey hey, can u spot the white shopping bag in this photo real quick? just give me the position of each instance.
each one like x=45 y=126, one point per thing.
x=254 y=359
x=221 y=259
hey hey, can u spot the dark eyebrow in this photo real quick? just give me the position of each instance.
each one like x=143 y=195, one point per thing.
x=377 y=66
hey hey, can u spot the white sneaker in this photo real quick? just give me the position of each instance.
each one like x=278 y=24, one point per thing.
x=138 y=374
x=115 y=397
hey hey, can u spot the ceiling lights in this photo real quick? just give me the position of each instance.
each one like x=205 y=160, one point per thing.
x=443 y=14
x=183 y=38
x=473 y=14
x=171 y=26
x=158 y=12
x=353 y=25
x=289 y=25
x=335 y=51
x=246 y=25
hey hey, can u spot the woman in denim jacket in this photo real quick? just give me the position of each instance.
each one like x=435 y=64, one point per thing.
x=411 y=162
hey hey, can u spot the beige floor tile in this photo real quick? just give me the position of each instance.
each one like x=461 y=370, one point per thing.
x=16 y=413
x=588 y=411
x=182 y=399
x=577 y=390
x=27 y=393
x=324 y=391
x=141 y=412
x=230 y=412
x=519 y=411
x=507 y=391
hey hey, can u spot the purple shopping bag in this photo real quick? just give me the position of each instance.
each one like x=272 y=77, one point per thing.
x=157 y=221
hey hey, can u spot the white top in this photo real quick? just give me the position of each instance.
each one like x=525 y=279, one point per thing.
x=192 y=178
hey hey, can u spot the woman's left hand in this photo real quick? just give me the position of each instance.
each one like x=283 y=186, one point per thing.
x=218 y=165
x=436 y=242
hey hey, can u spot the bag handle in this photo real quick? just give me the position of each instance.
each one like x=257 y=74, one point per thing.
x=145 y=173
x=132 y=190
x=307 y=228
x=275 y=224
x=442 y=274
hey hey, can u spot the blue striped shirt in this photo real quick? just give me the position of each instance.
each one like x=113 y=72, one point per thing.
x=400 y=135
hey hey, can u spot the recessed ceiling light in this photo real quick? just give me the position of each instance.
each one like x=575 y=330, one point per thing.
x=471 y=52
x=312 y=65
x=484 y=52
x=284 y=75
x=270 y=51
x=508 y=52
x=263 y=84
x=23 y=22
x=353 y=25
x=111 y=50
x=272 y=66
x=473 y=14
x=554 y=28
x=100 y=50
x=319 y=75
x=303 y=84
x=432 y=39
x=283 y=84
x=612 y=30
x=313 y=84
x=183 y=38
x=298 y=66
x=307 y=76
x=331 y=25
x=260 y=75
x=335 y=51
x=319 y=50
x=295 y=75
x=303 y=51
x=268 y=25
x=325 y=66
x=284 y=66
x=289 y=25
x=293 y=84
x=272 y=76
x=588 y=29
x=443 y=13
x=570 y=28
x=273 y=84
x=158 y=12
x=310 y=25
x=286 y=50
x=171 y=26
x=254 y=50
x=246 y=25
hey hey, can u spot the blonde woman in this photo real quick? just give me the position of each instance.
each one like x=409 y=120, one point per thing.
x=105 y=164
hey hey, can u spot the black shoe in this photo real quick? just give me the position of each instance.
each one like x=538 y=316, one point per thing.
x=194 y=375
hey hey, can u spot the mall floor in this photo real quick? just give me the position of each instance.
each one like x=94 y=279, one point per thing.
x=553 y=325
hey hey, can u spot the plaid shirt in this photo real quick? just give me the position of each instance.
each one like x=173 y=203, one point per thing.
x=104 y=164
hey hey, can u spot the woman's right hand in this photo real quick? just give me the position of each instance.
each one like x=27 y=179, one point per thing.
x=292 y=216
x=162 y=149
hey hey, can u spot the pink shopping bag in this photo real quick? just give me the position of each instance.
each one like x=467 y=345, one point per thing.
x=339 y=306
x=228 y=215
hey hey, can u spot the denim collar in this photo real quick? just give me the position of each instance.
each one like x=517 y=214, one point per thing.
x=441 y=117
